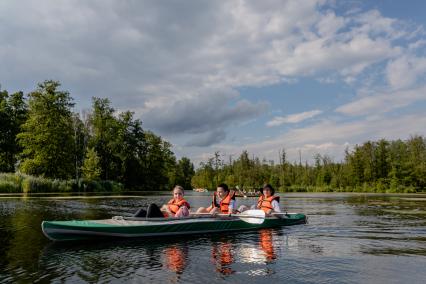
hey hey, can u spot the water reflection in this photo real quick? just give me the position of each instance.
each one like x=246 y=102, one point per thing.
x=176 y=258
x=351 y=238
x=267 y=245
x=222 y=256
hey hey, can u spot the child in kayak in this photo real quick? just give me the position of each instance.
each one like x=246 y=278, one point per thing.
x=177 y=207
x=223 y=201
x=267 y=201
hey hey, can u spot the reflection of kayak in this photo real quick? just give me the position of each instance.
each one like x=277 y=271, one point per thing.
x=134 y=227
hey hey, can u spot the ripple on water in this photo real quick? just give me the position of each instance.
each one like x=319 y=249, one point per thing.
x=349 y=239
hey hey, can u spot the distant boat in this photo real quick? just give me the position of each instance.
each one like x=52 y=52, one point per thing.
x=246 y=193
x=200 y=189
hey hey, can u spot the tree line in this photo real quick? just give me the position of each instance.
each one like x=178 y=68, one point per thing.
x=40 y=135
x=374 y=166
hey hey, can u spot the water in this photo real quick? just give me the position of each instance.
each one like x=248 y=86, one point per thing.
x=349 y=239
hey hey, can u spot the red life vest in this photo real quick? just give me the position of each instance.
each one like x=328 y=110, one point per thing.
x=266 y=203
x=224 y=203
x=174 y=205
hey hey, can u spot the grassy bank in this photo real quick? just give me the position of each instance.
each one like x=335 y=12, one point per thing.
x=20 y=183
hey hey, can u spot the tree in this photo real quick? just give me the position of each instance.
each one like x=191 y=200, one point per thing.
x=13 y=113
x=47 y=135
x=130 y=146
x=104 y=131
x=91 y=167
x=185 y=172
x=158 y=164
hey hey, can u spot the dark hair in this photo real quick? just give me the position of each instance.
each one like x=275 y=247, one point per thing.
x=270 y=187
x=224 y=186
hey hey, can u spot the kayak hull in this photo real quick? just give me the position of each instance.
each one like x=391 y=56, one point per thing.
x=122 y=228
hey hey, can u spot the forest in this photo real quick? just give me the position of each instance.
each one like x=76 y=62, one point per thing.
x=45 y=146
x=374 y=166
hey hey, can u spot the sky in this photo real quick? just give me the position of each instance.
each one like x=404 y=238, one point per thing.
x=313 y=76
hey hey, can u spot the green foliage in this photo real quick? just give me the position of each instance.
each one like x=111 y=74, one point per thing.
x=47 y=136
x=13 y=112
x=91 y=167
x=184 y=173
x=21 y=183
x=158 y=164
x=382 y=166
x=99 y=149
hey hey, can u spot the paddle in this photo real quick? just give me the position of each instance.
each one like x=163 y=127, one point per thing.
x=252 y=216
x=249 y=216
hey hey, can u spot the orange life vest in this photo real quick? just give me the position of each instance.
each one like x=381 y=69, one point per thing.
x=174 y=205
x=224 y=203
x=266 y=203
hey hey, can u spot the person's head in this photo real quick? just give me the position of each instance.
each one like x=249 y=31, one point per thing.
x=268 y=190
x=178 y=192
x=222 y=190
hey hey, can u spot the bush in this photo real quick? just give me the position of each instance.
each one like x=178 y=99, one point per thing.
x=20 y=183
x=8 y=186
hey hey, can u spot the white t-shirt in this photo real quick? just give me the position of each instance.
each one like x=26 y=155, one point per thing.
x=276 y=206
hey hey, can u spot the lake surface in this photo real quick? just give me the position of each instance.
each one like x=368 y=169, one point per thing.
x=350 y=238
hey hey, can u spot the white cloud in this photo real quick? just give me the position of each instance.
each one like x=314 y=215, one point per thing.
x=179 y=64
x=383 y=102
x=327 y=137
x=405 y=71
x=293 y=118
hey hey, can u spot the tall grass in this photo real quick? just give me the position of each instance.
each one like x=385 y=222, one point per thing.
x=21 y=183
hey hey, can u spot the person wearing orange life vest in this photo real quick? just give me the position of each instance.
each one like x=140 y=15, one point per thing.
x=177 y=206
x=267 y=201
x=223 y=202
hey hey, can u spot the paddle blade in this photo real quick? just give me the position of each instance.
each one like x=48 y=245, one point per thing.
x=253 y=216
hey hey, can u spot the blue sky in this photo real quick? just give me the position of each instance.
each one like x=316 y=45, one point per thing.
x=311 y=76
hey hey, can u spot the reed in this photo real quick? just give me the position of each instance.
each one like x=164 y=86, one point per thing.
x=21 y=183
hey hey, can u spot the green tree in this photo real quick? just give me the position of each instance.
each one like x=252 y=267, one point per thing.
x=104 y=131
x=130 y=146
x=47 y=135
x=91 y=169
x=185 y=172
x=13 y=113
x=158 y=164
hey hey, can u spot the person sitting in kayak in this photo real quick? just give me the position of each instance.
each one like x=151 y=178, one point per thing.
x=267 y=201
x=176 y=207
x=223 y=201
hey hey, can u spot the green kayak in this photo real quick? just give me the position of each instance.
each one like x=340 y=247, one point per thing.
x=119 y=227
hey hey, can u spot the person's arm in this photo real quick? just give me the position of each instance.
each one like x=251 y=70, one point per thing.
x=275 y=206
x=165 y=208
